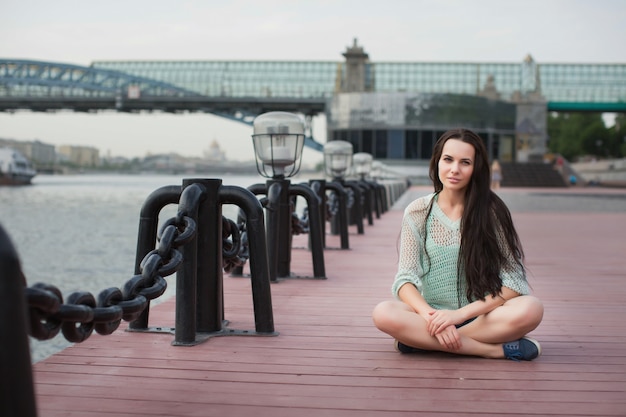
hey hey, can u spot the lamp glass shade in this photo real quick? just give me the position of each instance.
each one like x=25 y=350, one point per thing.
x=377 y=169
x=337 y=158
x=362 y=163
x=278 y=140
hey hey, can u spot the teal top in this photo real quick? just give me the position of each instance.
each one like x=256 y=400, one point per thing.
x=437 y=280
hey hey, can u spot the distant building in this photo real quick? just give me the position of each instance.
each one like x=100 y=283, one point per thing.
x=170 y=162
x=402 y=126
x=215 y=153
x=38 y=153
x=83 y=156
x=405 y=126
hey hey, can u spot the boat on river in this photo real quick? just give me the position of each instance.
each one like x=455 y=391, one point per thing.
x=15 y=169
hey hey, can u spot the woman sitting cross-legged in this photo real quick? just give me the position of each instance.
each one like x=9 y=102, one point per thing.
x=461 y=283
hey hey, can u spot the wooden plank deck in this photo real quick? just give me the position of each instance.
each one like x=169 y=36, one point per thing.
x=329 y=359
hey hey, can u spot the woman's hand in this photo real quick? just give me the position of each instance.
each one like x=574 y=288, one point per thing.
x=440 y=320
x=449 y=338
x=441 y=325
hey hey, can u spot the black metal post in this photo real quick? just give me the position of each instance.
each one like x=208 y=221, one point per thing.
x=279 y=232
x=274 y=190
x=376 y=188
x=315 y=227
x=255 y=189
x=319 y=188
x=147 y=235
x=366 y=196
x=279 y=225
x=283 y=269
x=356 y=211
x=383 y=198
x=342 y=215
x=17 y=395
x=210 y=281
x=259 y=266
x=186 y=277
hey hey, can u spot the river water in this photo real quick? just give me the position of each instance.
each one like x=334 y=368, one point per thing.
x=79 y=232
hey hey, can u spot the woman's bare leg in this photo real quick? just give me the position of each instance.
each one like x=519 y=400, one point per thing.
x=511 y=321
x=483 y=337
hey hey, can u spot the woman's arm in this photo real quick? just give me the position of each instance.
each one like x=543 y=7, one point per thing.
x=480 y=307
x=440 y=319
x=411 y=296
x=408 y=264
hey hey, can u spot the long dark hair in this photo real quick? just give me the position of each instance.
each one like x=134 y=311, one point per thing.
x=487 y=231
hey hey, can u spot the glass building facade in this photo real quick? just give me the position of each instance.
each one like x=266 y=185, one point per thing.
x=572 y=83
x=396 y=110
x=293 y=79
x=400 y=126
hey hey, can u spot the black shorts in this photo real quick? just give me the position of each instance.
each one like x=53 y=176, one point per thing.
x=465 y=322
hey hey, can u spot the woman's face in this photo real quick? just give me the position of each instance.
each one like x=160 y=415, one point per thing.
x=456 y=164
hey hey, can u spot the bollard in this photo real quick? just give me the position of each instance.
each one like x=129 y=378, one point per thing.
x=279 y=228
x=319 y=188
x=367 y=198
x=381 y=198
x=341 y=219
x=316 y=230
x=17 y=396
x=147 y=235
x=259 y=267
x=279 y=232
x=199 y=283
x=356 y=211
x=187 y=277
x=200 y=306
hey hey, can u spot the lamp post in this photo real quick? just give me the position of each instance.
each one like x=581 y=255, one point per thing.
x=337 y=163
x=278 y=139
x=377 y=175
x=338 y=159
x=362 y=167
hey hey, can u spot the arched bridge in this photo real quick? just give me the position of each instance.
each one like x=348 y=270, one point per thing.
x=241 y=90
x=50 y=86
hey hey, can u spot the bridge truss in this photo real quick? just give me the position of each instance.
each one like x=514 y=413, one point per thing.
x=47 y=86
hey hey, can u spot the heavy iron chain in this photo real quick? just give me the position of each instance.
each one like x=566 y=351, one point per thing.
x=235 y=252
x=82 y=313
x=299 y=225
x=351 y=197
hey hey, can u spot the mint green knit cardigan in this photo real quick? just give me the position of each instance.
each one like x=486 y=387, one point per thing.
x=437 y=280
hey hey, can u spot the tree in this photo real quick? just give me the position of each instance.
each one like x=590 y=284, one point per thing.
x=577 y=134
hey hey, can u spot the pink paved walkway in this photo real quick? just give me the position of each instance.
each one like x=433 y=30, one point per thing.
x=329 y=360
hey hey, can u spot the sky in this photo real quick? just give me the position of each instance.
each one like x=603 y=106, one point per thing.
x=79 y=32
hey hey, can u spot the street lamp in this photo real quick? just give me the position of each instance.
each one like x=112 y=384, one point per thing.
x=362 y=167
x=337 y=158
x=362 y=163
x=337 y=164
x=278 y=140
x=377 y=170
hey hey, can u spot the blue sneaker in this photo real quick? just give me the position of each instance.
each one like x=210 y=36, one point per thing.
x=524 y=349
x=402 y=348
